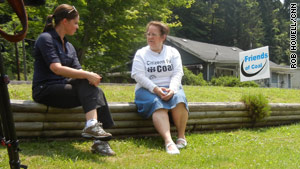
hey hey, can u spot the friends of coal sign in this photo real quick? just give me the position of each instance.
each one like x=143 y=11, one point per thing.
x=254 y=64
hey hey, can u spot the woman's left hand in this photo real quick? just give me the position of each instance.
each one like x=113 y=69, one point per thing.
x=168 y=95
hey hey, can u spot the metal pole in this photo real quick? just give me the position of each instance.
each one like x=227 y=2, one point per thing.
x=8 y=126
x=24 y=60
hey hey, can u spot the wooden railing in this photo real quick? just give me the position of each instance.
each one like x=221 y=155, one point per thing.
x=37 y=120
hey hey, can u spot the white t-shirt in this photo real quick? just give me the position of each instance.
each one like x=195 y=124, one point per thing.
x=151 y=69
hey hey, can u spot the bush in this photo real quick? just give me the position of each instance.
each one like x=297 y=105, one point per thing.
x=248 y=84
x=190 y=78
x=225 y=81
x=231 y=81
x=257 y=105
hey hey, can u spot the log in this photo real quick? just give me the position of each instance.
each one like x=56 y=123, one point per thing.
x=126 y=116
x=219 y=120
x=284 y=113
x=282 y=118
x=117 y=107
x=215 y=106
x=75 y=110
x=29 y=134
x=31 y=106
x=29 y=126
x=218 y=114
x=43 y=117
x=39 y=126
x=27 y=106
x=64 y=125
x=285 y=106
x=221 y=126
x=76 y=117
x=29 y=117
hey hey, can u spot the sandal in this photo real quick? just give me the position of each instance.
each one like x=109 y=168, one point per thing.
x=174 y=151
x=181 y=143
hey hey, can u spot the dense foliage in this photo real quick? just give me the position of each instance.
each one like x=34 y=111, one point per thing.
x=257 y=105
x=190 y=78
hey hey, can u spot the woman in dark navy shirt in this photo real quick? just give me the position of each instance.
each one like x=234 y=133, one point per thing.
x=59 y=80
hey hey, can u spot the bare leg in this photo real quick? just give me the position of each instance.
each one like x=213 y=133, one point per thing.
x=180 y=117
x=161 y=123
x=91 y=115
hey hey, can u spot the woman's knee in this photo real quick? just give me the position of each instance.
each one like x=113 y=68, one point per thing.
x=180 y=107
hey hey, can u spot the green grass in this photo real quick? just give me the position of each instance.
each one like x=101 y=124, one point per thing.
x=276 y=147
x=116 y=93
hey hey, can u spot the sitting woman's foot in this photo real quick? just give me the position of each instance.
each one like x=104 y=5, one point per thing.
x=172 y=149
x=181 y=143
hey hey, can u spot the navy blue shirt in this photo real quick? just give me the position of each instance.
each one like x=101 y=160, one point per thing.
x=48 y=49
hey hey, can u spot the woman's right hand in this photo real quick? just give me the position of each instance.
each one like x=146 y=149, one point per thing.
x=160 y=91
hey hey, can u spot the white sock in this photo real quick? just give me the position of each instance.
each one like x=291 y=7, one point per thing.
x=91 y=122
x=97 y=141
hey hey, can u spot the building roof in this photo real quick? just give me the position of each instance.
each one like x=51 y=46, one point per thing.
x=213 y=53
x=207 y=52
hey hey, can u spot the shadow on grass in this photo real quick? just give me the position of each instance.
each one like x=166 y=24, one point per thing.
x=149 y=142
x=62 y=149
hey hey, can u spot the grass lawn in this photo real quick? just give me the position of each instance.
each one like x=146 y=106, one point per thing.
x=276 y=147
x=116 y=93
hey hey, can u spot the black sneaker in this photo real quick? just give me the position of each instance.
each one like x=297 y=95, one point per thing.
x=96 y=131
x=102 y=148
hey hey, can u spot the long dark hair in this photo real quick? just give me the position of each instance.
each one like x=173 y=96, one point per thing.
x=62 y=11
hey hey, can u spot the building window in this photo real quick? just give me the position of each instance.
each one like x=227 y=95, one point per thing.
x=224 y=72
x=274 y=77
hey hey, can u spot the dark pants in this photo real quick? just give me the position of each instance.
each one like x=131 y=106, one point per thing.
x=76 y=92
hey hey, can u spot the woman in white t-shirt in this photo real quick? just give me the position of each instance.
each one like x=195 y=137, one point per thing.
x=157 y=69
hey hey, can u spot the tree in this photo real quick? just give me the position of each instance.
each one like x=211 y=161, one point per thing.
x=229 y=23
x=110 y=31
x=276 y=30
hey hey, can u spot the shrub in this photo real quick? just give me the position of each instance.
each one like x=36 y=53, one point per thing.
x=257 y=105
x=190 y=78
x=248 y=84
x=230 y=81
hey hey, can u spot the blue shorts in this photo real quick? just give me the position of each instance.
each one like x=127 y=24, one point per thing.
x=147 y=103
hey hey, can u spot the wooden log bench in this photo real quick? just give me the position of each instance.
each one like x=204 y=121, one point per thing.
x=37 y=120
